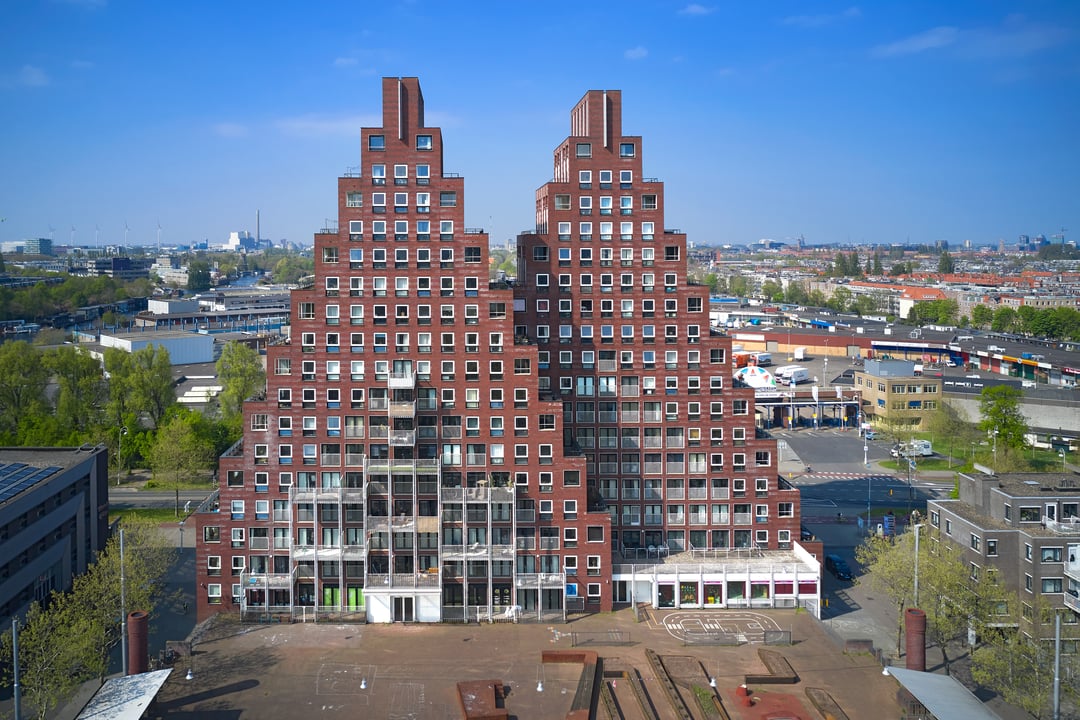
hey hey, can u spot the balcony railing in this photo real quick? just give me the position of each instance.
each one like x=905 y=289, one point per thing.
x=402 y=409
x=402 y=380
x=403 y=438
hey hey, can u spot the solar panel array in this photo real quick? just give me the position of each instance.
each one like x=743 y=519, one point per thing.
x=16 y=477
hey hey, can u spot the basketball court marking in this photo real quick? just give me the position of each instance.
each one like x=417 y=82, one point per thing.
x=344 y=679
x=747 y=626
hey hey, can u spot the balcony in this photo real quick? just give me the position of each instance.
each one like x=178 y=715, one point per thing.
x=400 y=409
x=429 y=579
x=273 y=581
x=402 y=380
x=540 y=580
x=743 y=518
x=402 y=438
x=549 y=543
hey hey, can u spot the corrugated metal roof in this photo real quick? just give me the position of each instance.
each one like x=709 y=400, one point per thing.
x=942 y=695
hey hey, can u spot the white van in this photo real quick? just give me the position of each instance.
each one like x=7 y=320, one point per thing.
x=763 y=359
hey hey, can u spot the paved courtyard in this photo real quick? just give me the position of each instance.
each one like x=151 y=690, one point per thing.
x=411 y=671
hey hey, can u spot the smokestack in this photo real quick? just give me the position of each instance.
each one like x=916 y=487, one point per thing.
x=915 y=638
x=138 y=647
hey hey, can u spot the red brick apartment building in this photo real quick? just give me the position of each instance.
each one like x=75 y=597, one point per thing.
x=435 y=446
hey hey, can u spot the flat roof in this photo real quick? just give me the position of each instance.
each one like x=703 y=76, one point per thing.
x=23 y=468
x=942 y=695
x=125 y=698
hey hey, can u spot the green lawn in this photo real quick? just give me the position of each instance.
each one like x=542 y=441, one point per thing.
x=157 y=515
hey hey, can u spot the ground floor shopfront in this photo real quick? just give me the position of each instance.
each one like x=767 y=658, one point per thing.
x=717 y=579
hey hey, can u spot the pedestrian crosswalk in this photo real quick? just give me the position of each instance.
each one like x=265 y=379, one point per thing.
x=828 y=475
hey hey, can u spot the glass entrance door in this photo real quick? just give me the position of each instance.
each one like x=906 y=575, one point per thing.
x=403 y=609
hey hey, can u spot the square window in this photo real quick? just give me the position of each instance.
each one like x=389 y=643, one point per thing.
x=423 y=142
x=376 y=142
x=584 y=150
x=627 y=150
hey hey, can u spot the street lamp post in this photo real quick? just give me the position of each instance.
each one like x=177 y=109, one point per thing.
x=995 y=448
x=1061 y=455
x=825 y=369
x=911 y=468
x=916 y=527
x=866 y=464
x=120 y=454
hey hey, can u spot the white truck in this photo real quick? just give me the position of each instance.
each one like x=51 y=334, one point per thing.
x=792 y=374
x=800 y=353
x=915 y=448
x=763 y=358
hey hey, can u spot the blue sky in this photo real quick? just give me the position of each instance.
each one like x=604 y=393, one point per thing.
x=872 y=122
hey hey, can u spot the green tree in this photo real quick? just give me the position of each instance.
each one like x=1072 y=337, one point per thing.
x=879 y=269
x=946 y=265
x=241 y=375
x=82 y=391
x=773 y=290
x=149 y=381
x=840 y=265
x=179 y=453
x=290 y=269
x=956 y=599
x=56 y=653
x=198 y=276
x=864 y=304
x=999 y=407
x=982 y=316
x=23 y=378
x=795 y=293
x=840 y=300
x=1005 y=320
x=854 y=265
x=1020 y=670
x=70 y=640
x=147 y=559
x=890 y=570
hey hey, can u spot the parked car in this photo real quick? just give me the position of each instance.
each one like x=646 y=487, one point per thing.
x=838 y=567
x=870 y=434
x=804 y=534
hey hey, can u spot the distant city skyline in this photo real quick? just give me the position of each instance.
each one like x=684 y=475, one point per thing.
x=877 y=123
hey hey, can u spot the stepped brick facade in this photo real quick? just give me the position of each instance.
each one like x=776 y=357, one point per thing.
x=434 y=445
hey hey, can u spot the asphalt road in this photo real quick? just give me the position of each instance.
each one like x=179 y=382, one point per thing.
x=125 y=498
x=838 y=481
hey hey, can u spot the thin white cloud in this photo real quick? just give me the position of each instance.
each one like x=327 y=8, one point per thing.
x=814 y=21
x=636 y=53
x=325 y=126
x=345 y=62
x=1015 y=38
x=696 y=9
x=230 y=130
x=32 y=76
x=932 y=39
